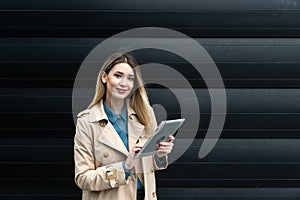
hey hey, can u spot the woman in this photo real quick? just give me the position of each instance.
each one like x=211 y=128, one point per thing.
x=111 y=131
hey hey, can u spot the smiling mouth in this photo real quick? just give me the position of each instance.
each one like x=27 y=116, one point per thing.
x=121 y=90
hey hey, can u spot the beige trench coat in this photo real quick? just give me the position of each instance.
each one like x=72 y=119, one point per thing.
x=98 y=147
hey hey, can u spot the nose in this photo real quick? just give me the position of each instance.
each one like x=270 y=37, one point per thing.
x=123 y=82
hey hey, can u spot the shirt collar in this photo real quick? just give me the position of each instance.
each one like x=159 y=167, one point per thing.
x=114 y=117
x=97 y=113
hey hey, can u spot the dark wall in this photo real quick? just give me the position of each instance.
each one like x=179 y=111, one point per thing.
x=255 y=45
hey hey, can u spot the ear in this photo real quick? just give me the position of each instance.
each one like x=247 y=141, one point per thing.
x=104 y=77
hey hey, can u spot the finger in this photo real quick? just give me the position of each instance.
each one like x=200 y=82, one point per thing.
x=163 y=152
x=166 y=144
x=139 y=145
x=134 y=149
x=165 y=149
x=171 y=138
x=137 y=149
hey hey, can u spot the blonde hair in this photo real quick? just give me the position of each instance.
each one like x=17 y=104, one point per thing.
x=138 y=99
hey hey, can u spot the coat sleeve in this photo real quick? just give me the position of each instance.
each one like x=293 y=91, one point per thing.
x=159 y=163
x=87 y=176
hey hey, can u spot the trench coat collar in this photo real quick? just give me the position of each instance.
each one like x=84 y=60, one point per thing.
x=97 y=112
x=109 y=136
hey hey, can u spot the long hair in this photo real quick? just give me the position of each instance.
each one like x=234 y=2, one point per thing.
x=138 y=98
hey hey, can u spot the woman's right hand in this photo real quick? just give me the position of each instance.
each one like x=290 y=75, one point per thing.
x=131 y=161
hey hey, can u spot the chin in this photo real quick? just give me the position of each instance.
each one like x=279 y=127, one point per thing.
x=120 y=96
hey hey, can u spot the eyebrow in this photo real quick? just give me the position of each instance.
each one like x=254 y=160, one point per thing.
x=123 y=73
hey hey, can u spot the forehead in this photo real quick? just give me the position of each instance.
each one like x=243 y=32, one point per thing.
x=124 y=68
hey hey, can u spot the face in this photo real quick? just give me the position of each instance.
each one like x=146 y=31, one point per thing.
x=119 y=82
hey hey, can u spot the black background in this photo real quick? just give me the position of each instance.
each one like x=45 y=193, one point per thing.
x=255 y=45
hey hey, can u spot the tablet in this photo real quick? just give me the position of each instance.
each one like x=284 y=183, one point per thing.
x=166 y=128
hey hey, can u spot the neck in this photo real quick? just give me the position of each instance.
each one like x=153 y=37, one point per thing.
x=115 y=105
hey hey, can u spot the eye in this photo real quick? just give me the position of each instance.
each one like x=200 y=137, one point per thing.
x=130 y=78
x=118 y=76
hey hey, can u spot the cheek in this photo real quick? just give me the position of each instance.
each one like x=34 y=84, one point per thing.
x=112 y=82
x=130 y=85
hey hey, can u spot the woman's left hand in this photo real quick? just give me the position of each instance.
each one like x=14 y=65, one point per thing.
x=166 y=147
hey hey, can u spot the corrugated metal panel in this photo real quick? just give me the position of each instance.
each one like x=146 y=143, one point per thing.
x=255 y=45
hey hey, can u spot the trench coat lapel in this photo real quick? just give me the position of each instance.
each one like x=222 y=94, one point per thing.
x=109 y=136
x=135 y=130
x=107 y=133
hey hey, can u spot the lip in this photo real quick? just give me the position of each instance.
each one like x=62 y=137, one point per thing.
x=121 y=91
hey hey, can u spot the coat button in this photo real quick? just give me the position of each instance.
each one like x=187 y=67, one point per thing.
x=151 y=169
x=102 y=123
x=153 y=194
x=105 y=154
